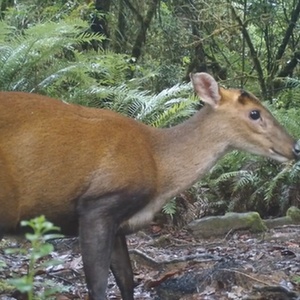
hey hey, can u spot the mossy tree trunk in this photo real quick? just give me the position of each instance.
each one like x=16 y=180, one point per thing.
x=144 y=26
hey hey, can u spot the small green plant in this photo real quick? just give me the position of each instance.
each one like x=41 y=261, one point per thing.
x=42 y=231
x=170 y=208
x=296 y=279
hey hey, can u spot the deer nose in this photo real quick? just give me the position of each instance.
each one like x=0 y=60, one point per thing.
x=296 y=149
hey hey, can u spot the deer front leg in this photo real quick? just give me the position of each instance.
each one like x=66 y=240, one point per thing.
x=96 y=235
x=121 y=267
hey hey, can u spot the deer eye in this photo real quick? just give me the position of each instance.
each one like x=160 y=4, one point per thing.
x=254 y=115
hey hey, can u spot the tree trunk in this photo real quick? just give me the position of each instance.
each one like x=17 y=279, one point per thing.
x=120 y=34
x=276 y=75
x=144 y=25
x=286 y=38
x=99 y=22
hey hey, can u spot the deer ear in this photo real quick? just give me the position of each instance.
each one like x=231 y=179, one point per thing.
x=206 y=88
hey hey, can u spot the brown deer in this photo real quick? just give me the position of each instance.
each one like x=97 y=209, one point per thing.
x=102 y=175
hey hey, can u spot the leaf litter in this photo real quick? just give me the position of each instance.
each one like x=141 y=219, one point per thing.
x=173 y=265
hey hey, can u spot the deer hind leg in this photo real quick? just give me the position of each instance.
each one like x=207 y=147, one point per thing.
x=96 y=236
x=121 y=267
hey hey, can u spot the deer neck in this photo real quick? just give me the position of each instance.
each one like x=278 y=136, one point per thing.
x=187 y=151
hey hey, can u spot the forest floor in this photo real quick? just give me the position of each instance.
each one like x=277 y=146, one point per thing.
x=173 y=265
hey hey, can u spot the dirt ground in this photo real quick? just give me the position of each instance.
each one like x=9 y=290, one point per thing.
x=174 y=265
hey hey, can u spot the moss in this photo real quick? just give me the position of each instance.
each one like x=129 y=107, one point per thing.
x=220 y=225
x=277 y=222
x=294 y=213
x=6 y=287
x=255 y=222
x=252 y=220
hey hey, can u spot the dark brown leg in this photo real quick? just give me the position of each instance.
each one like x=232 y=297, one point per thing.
x=121 y=267
x=96 y=235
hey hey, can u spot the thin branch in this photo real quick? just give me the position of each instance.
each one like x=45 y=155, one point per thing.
x=287 y=70
x=288 y=34
x=289 y=31
x=253 y=52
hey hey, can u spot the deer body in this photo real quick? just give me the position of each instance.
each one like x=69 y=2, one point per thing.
x=103 y=175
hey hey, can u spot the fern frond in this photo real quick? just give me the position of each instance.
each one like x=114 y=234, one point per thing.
x=292 y=82
x=229 y=175
x=245 y=178
x=161 y=110
x=170 y=208
x=275 y=182
x=5 y=30
x=257 y=194
x=176 y=112
x=294 y=172
x=155 y=105
x=30 y=60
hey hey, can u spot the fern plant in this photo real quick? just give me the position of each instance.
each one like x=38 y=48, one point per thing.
x=42 y=54
x=164 y=109
x=290 y=96
x=170 y=208
x=27 y=13
x=49 y=58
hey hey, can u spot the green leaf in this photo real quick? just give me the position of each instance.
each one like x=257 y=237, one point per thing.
x=21 y=284
x=170 y=208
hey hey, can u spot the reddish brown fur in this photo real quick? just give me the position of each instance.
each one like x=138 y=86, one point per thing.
x=60 y=153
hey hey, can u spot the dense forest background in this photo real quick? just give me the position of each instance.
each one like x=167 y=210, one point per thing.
x=135 y=56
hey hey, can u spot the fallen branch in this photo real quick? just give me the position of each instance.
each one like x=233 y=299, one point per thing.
x=145 y=259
